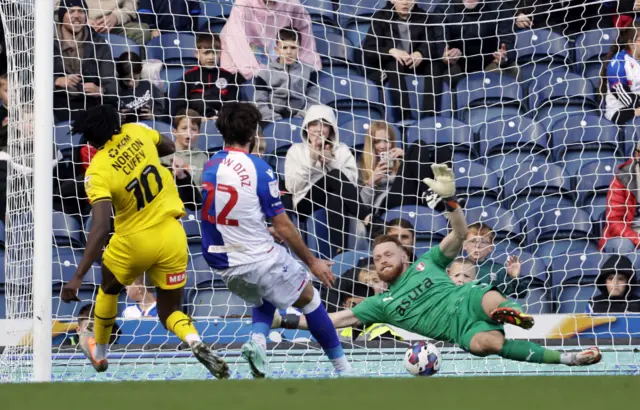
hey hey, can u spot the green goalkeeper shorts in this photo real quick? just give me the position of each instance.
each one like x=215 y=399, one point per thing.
x=470 y=319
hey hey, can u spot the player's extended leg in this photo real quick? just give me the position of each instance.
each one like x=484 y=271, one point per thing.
x=174 y=320
x=254 y=351
x=106 y=311
x=504 y=310
x=322 y=328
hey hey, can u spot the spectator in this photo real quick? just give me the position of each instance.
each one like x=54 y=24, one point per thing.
x=400 y=41
x=462 y=271
x=114 y=16
x=476 y=35
x=287 y=87
x=406 y=234
x=187 y=162
x=391 y=178
x=139 y=99
x=249 y=37
x=321 y=173
x=169 y=15
x=616 y=283
x=478 y=247
x=622 y=216
x=206 y=87
x=145 y=303
x=260 y=146
x=85 y=327
x=83 y=68
x=4 y=99
x=618 y=84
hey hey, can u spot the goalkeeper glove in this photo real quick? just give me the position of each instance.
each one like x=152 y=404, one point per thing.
x=441 y=195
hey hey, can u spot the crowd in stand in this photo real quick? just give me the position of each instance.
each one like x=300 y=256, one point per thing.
x=271 y=46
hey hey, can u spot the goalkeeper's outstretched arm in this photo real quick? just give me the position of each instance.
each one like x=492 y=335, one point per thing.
x=444 y=186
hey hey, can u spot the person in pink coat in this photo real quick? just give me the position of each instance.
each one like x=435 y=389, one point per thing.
x=249 y=37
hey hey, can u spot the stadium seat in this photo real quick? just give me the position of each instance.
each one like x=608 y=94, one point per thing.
x=536 y=180
x=446 y=132
x=65 y=261
x=483 y=96
x=592 y=184
x=2 y=235
x=537 y=300
x=427 y=223
x=210 y=138
x=506 y=164
x=337 y=54
x=541 y=45
x=347 y=260
x=503 y=222
x=575 y=298
x=503 y=135
x=345 y=116
x=631 y=136
x=474 y=179
x=321 y=11
x=560 y=223
x=356 y=32
x=576 y=269
x=534 y=69
x=353 y=134
x=415 y=92
x=64 y=139
x=350 y=11
x=120 y=45
x=354 y=93
x=547 y=251
x=531 y=267
x=162 y=127
x=619 y=246
x=591 y=48
x=173 y=49
x=285 y=133
x=580 y=138
x=217 y=301
x=198 y=270
x=67 y=230
x=172 y=77
x=191 y=224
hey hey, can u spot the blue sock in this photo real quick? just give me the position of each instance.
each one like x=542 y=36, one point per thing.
x=324 y=332
x=261 y=320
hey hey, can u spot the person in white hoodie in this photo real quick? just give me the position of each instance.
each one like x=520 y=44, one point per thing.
x=321 y=172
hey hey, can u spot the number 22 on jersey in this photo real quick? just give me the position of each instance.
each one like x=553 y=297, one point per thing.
x=211 y=191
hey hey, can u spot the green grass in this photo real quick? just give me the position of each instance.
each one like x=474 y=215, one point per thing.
x=514 y=393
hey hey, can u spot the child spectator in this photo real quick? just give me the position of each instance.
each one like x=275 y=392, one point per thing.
x=187 y=162
x=260 y=145
x=406 y=234
x=400 y=41
x=248 y=38
x=462 y=270
x=139 y=99
x=478 y=246
x=4 y=98
x=619 y=71
x=206 y=86
x=142 y=296
x=616 y=283
x=287 y=87
x=84 y=330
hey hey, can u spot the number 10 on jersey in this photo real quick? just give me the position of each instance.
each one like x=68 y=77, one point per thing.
x=212 y=192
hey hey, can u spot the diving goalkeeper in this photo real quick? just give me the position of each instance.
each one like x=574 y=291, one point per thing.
x=422 y=298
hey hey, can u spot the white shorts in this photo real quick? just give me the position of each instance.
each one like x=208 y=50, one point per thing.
x=279 y=279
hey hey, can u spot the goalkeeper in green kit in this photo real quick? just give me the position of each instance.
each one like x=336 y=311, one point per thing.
x=421 y=297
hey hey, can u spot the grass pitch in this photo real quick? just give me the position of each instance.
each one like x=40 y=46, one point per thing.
x=514 y=393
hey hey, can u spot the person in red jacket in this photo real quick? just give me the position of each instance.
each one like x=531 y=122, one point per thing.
x=623 y=214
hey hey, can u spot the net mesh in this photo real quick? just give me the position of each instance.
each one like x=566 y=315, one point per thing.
x=530 y=139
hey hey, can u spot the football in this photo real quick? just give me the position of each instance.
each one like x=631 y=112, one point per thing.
x=422 y=359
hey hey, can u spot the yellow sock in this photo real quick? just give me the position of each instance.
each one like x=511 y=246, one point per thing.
x=182 y=326
x=105 y=314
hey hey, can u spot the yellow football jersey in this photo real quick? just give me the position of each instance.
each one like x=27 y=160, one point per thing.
x=128 y=172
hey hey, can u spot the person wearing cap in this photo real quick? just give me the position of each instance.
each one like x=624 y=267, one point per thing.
x=83 y=67
x=618 y=288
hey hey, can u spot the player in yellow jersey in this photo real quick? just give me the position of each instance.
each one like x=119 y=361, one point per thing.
x=126 y=175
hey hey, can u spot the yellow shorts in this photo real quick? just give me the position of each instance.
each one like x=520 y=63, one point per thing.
x=161 y=251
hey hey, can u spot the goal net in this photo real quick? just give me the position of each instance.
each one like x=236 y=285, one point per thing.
x=509 y=96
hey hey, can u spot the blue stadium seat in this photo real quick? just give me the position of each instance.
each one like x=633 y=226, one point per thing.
x=541 y=45
x=354 y=93
x=120 y=45
x=414 y=90
x=347 y=260
x=217 y=9
x=532 y=70
x=173 y=49
x=537 y=300
x=580 y=138
x=353 y=134
x=67 y=230
x=191 y=224
x=172 y=77
x=549 y=250
x=427 y=223
x=345 y=116
x=285 y=132
x=535 y=180
x=162 y=127
x=218 y=301
x=198 y=270
x=65 y=261
x=575 y=298
x=356 y=32
x=321 y=11
x=619 y=246
x=350 y=11
x=2 y=235
x=210 y=138
x=446 y=132
x=531 y=267
x=482 y=96
x=576 y=269
x=335 y=51
x=631 y=135
x=506 y=164
x=474 y=179
x=502 y=135
x=591 y=48
x=592 y=184
x=317 y=238
x=64 y=140
x=503 y=222
x=560 y=223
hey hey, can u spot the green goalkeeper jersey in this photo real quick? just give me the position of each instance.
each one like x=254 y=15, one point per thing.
x=419 y=301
